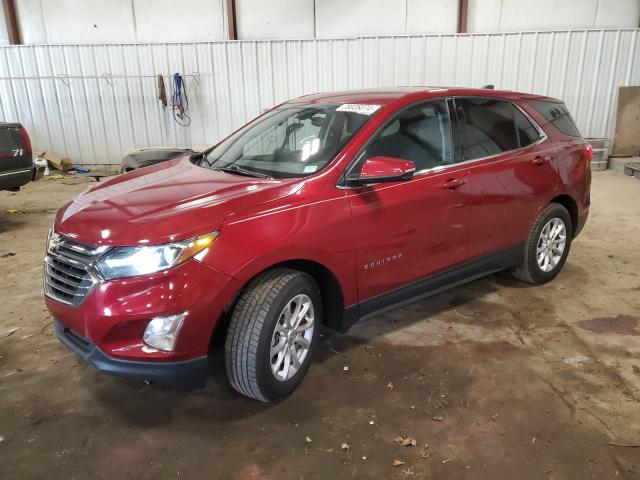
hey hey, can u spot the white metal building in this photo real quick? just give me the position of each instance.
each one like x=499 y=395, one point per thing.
x=84 y=84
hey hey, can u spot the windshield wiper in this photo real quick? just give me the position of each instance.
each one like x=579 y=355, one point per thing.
x=242 y=171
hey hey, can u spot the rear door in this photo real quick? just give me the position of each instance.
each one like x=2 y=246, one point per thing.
x=405 y=231
x=16 y=163
x=510 y=172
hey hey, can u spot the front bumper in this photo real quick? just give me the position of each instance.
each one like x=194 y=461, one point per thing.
x=184 y=374
x=110 y=322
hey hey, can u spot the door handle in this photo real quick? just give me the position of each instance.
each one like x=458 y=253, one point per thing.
x=453 y=183
x=540 y=160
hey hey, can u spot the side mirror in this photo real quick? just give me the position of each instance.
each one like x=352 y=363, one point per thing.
x=383 y=169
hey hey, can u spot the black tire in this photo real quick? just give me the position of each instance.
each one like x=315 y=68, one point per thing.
x=248 y=342
x=529 y=271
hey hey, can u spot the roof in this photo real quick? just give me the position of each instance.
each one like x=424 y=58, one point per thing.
x=386 y=96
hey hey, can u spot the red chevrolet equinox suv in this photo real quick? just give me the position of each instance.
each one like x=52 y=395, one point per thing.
x=323 y=211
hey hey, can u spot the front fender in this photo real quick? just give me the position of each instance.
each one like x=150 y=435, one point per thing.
x=319 y=232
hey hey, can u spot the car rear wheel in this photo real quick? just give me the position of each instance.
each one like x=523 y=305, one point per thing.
x=272 y=334
x=547 y=247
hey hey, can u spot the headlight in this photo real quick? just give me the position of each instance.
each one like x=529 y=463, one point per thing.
x=124 y=262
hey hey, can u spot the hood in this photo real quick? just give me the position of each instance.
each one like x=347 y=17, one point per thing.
x=170 y=201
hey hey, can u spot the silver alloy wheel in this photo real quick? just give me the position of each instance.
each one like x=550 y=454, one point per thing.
x=291 y=338
x=551 y=244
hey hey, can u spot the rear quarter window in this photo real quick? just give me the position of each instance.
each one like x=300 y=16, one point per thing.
x=558 y=115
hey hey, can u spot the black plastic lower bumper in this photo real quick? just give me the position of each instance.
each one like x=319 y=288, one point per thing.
x=185 y=374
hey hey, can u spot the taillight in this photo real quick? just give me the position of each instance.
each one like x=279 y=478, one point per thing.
x=27 y=141
x=588 y=152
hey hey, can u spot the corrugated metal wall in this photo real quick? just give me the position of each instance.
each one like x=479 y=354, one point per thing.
x=94 y=102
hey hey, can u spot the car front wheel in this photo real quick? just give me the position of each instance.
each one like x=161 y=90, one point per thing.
x=547 y=246
x=272 y=334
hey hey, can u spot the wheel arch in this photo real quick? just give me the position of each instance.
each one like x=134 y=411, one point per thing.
x=333 y=306
x=570 y=204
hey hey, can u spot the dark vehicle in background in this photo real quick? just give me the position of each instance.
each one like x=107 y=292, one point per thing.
x=16 y=160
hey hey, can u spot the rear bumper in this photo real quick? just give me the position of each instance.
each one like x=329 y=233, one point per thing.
x=183 y=374
x=38 y=172
x=581 y=223
x=16 y=179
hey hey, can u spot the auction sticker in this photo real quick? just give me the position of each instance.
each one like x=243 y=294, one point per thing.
x=362 y=108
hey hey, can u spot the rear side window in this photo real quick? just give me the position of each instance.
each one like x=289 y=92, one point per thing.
x=527 y=133
x=488 y=127
x=491 y=126
x=557 y=114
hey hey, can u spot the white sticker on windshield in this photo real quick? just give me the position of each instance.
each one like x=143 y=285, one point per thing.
x=361 y=108
x=310 y=168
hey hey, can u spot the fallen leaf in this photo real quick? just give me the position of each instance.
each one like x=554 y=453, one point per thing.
x=11 y=331
x=345 y=368
x=438 y=419
x=364 y=458
x=397 y=463
x=408 y=471
x=409 y=441
x=399 y=439
x=390 y=386
x=307 y=439
x=344 y=447
x=12 y=210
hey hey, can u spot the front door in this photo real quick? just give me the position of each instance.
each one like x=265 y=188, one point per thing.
x=405 y=231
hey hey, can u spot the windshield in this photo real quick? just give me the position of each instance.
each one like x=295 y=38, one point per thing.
x=291 y=141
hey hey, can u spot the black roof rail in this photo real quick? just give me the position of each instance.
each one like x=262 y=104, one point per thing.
x=489 y=87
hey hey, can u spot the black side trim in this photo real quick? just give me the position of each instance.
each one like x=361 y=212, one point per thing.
x=432 y=285
x=186 y=374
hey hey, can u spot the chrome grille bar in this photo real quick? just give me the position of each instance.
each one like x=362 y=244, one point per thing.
x=68 y=274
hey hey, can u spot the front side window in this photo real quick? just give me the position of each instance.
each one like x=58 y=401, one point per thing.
x=420 y=133
x=291 y=141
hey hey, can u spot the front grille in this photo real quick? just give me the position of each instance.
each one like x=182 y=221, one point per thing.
x=66 y=270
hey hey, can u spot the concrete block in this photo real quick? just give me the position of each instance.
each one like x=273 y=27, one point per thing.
x=618 y=164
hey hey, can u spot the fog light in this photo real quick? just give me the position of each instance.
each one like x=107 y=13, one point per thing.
x=162 y=332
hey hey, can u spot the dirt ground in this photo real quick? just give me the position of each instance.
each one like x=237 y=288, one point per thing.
x=495 y=379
